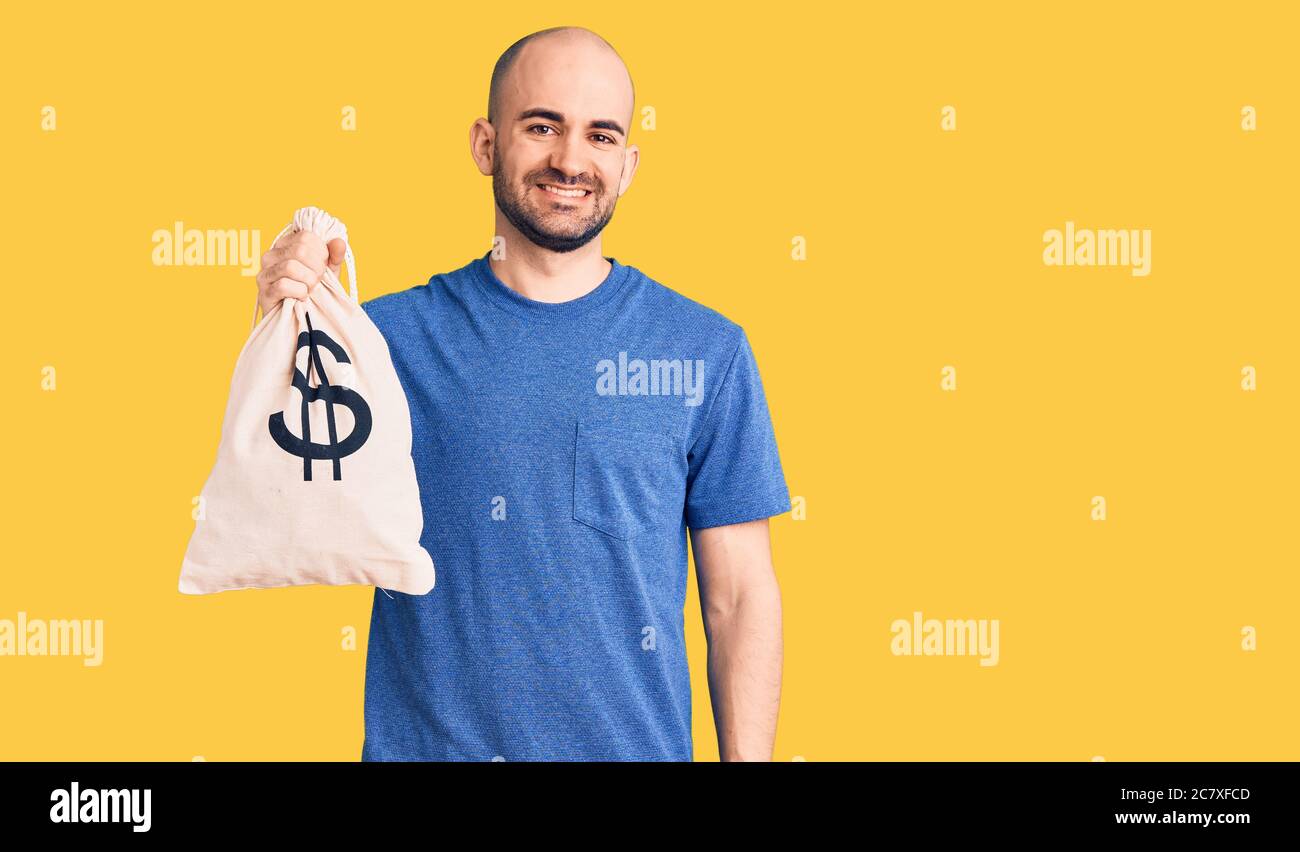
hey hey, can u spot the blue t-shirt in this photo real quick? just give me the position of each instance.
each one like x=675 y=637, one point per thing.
x=562 y=451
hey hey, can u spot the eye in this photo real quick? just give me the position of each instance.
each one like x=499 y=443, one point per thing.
x=543 y=126
x=606 y=138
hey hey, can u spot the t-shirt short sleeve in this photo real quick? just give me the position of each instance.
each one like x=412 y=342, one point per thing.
x=734 y=471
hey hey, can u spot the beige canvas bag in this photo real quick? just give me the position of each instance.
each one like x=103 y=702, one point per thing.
x=313 y=481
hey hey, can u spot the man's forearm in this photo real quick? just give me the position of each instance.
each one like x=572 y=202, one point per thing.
x=744 y=670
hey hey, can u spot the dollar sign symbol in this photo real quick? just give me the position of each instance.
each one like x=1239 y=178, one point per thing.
x=333 y=395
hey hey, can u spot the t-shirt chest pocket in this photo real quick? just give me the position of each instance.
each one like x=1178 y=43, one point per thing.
x=626 y=482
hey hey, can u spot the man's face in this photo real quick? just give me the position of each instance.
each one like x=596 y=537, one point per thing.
x=552 y=221
x=563 y=125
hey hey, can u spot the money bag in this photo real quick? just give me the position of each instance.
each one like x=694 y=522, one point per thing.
x=313 y=480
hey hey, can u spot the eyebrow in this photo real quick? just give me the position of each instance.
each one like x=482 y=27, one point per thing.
x=558 y=118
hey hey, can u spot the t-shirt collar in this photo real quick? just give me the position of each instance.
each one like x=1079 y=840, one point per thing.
x=500 y=292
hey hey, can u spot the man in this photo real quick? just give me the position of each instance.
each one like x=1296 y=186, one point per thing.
x=572 y=419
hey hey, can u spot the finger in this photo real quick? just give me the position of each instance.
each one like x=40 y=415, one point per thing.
x=337 y=248
x=292 y=269
x=310 y=251
x=271 y=258
x=303 y=245
x=291 y=246
x=291 y=239
x=295 y=270
x=281 y=289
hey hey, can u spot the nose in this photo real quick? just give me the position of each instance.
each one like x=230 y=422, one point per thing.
x=570 y=158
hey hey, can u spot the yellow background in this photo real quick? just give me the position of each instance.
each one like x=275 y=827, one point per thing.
x=1118 y=638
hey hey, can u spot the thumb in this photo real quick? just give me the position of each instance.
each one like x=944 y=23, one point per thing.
x=336 y=248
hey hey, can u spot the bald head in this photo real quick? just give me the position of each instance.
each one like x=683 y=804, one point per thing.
x=579 y=50
x=556 y=138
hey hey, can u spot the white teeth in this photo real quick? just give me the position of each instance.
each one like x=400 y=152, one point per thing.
x=567 y=193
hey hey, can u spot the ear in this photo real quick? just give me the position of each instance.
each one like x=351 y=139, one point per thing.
x=482 y=145
x=631 y=158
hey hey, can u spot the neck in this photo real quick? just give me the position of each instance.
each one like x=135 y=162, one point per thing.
x=546 y=276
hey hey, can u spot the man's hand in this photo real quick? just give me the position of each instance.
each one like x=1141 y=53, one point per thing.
x=293 y=266
x=741 y=603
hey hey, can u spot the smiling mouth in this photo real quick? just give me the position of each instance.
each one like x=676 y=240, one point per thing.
x=561 y=192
